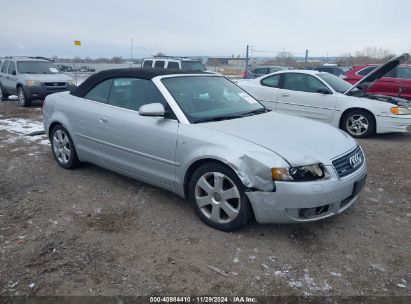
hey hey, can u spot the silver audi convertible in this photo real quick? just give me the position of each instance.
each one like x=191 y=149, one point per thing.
x=204 y=138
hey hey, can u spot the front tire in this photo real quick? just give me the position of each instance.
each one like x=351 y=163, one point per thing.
x=63 y=148
x=358 y=123
x=23 y=101
x=218 y=197
x=3 y=95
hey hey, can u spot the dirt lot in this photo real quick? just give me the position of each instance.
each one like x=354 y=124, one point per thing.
x=93 y=232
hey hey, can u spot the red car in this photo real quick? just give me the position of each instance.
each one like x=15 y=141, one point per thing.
x=395 y=83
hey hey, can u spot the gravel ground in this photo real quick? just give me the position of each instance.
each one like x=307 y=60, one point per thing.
x=93 y=232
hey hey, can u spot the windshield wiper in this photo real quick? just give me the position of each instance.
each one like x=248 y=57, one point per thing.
x=254 y=112
x=219 y=118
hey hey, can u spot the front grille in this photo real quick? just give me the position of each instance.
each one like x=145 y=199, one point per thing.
x=349 y=163
x=55 y=84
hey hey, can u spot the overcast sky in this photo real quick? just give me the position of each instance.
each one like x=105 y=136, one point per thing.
x=202 y=27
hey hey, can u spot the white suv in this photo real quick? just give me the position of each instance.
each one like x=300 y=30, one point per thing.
x=173 y=63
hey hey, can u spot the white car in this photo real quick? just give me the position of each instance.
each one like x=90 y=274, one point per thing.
x=330 y=99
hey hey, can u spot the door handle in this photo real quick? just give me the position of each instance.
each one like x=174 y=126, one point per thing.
x=285 y=95
x=103 y=119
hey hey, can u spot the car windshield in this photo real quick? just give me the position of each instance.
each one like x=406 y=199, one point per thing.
x=192 y=66
x=336 y=82
x=36 y=67
x=208 y=98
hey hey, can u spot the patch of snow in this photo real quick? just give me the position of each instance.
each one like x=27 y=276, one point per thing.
x=402 y=284
x=279 y=273
x=336 y=274
x=295 y=284
x=21 y=128
x=237 y=254
x=308 y=282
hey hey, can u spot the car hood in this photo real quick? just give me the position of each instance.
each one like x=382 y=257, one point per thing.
x=388 y=99
x=365 y=83
x=299 y=141
x=47 y=77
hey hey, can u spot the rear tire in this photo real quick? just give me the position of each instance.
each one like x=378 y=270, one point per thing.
x=218 y=197
x=23 y=101
x=358 y=123
x=63 y=148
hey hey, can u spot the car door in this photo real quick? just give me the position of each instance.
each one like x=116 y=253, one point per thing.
x=82 y=113
x=11 y=82
x=141 y=145
x=267 y=91
x=299 y=95
x=385 y=85
x=402 y=82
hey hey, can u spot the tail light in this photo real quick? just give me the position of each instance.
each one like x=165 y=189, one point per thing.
x=244 y=74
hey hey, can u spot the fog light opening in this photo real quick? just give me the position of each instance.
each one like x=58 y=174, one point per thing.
x=311 y=212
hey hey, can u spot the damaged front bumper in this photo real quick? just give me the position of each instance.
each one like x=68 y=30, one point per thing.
x=294 y=202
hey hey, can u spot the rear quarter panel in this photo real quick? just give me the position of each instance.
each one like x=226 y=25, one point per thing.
x=57 y=108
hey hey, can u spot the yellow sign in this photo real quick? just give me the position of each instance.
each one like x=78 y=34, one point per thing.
x=77 y=42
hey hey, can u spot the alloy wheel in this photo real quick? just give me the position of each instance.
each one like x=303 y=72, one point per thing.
x=61 y=147
x=217 y=197
x=357 y=124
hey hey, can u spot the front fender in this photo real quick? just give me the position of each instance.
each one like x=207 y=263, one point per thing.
x=251 y=162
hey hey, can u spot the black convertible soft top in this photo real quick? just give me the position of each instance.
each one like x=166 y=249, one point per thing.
x=147 y=74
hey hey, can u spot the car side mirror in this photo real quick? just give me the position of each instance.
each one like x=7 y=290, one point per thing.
x=152 y=109
x=323 y=91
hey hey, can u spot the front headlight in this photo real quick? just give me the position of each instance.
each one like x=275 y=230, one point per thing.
x=400 y=111
x=33 y=83
x=71 y=83
x=302 y=173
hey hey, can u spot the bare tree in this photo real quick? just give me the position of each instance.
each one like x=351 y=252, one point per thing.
x=366 y=55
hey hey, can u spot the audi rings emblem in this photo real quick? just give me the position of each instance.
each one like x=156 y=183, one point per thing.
x=356 y=160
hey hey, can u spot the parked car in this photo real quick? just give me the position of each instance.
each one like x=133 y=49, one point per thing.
x=204 y=138
x=396 y=82
x=85 y=69
x=260 y=71
x=31 y=78
x=335 y=70
x=64 y=68
x=330 y=99
x=173 y=63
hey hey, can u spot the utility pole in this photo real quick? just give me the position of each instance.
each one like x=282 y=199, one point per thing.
x=246 y=57
x=131 y=52
x=306 y=57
